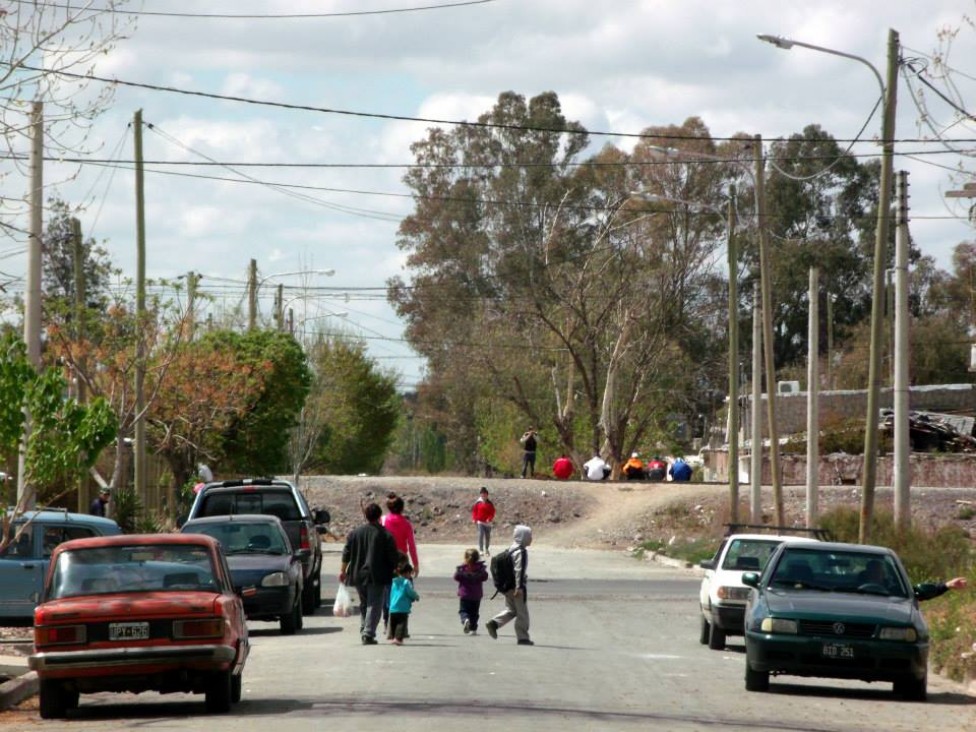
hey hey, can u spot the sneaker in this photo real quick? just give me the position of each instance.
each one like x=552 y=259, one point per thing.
x=467 y=627
x=369 y=640
x=397 y=642
x=492 y=627
x=526 y=642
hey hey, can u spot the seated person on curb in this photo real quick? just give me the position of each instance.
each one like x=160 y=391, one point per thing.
x=657 y=469
x=563 y=467
x=596 y=469
x=634 y=468
x=680 y=470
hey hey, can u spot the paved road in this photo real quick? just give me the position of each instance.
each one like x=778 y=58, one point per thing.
x=617 y=649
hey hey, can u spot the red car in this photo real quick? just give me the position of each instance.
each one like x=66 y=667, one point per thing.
x=144 y=612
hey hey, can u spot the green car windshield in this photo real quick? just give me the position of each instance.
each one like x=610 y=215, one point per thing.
x=839 y=571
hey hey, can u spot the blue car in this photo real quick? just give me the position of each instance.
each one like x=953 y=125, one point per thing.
x=265 y=568
x=32 y=537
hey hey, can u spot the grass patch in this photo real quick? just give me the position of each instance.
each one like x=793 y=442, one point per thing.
x=691 y=550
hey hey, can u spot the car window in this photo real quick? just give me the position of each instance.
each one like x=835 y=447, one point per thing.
x=839 y=571
x=273 y=503
x=136 y=568
x=244 y=538
x=54 y=535
x=749 y=555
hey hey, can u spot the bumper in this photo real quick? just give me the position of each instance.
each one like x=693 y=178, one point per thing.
x=730 y=618
x=270 y=602
x=111 y=661
x=871 y=660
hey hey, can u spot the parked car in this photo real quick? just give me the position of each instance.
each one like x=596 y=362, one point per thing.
x=722 y=596
x=32 y=537
x=266 y=571
x=135 y=613
x=275 y=498
x=835 y=611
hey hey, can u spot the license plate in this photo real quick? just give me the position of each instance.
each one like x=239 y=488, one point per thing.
x=128 y=631
x=838 y=650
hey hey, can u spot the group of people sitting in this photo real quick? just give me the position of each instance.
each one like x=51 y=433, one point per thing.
x=596 y=468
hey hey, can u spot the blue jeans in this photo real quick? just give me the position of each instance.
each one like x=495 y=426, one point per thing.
x=528 y=463
x=470 y=610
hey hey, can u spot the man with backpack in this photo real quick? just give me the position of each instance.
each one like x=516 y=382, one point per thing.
x=508 y=571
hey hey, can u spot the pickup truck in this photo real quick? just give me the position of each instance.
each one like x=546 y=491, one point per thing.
x=280 y=498
x=722 y=596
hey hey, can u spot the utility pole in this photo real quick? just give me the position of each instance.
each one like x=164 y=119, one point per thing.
x=26 y=496
x=252 y=295
x=81 y=390
x=191 y=296
x=279 y=307
x=733 y=364
x=903 y=471
x=139 y=444
x=869 y=476
x=767 y=313
x=756 y=459
x=813 y=400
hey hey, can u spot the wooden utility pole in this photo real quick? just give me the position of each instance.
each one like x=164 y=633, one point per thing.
x=755 y=494
x=765 y=278
x=733 y=364
x=903 y=471
x=252 y=295
x=813 y=400
x=81 y=389
x=139 y=445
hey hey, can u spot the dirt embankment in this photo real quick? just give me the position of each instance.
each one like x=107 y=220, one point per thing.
x=608 y=515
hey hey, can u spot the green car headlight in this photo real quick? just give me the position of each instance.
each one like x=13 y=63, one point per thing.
x=899 y=634
x=778 y=625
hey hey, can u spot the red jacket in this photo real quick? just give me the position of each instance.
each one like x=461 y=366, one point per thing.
x=562 y=468
x=483 y=510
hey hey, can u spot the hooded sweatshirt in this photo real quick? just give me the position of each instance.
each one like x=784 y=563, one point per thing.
x=520 y=557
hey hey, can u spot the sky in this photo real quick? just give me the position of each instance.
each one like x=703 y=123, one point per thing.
x=618 y=66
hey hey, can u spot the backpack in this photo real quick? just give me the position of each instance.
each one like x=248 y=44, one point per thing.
x=503 y=572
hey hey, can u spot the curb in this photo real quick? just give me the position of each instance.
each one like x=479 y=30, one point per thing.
x=670 y=561
x=13 y=692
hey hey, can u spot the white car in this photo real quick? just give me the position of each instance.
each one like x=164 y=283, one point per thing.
x=722 y=595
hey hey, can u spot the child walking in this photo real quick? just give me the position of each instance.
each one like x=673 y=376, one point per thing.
x=402 y=597
x=470 y=577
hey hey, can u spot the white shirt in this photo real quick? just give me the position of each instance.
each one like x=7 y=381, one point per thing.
x=594 y=468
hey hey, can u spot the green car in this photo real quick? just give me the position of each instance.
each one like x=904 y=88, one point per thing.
x=845 y=611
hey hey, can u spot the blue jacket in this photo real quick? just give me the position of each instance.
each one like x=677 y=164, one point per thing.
x=402 y=595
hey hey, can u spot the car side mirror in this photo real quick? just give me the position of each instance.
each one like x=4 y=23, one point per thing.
x=321 y=516
x=750 y=579
x=707 y=564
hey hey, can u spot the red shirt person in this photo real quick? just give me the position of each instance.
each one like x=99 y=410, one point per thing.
x=563 y=467
x=483 y=513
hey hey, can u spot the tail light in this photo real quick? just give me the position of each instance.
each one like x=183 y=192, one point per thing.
x=54 y=635
x=303 y=542
x=190 y=629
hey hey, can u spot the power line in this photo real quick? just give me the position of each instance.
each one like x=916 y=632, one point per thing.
x=267 y=16
x=407 y=118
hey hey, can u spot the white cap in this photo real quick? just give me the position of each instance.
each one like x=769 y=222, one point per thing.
x=633 y=454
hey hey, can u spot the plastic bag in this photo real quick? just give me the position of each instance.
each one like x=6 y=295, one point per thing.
x=342 y=608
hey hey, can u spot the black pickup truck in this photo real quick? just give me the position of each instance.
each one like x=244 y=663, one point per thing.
x=276 y=498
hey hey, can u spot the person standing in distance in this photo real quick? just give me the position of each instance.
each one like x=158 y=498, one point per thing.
x=483 y=514
x=97 y=507
x=516 y=602
x=369 y=559
x=529 y=441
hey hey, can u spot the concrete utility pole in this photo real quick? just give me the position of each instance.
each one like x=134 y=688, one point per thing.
x=813 y=400
x=191 y=296
x=869 y=476
x=756 y=458
x=252 y=295
x=903 y=470
x=767 y=311
x=139 y=445
x=26 y=497
x=81 y=391
x=733 y=365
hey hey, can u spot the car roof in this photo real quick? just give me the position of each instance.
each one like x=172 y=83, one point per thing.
x=837 y=546
x=96 y=542
x=248 y=482
x=235 y=518
x=771 y=537
x=48 y=516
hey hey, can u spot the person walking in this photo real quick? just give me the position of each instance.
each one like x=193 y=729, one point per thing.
x=516 y=601
x=529 y=441
x=471 y=577
x=401 y=528
x=483 y=514
x=99 y=505
x=402 y=598
x=369 y=558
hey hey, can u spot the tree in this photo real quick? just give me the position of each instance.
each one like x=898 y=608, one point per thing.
x=58 y=265
x=46 y=52
x=351 y=415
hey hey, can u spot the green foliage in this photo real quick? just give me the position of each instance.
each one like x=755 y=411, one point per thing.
x=127 y=508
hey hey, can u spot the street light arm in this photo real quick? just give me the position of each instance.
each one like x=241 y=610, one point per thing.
x=786 y=44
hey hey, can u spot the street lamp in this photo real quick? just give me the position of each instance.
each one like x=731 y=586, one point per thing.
x=254 y=285
x=889 y=96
